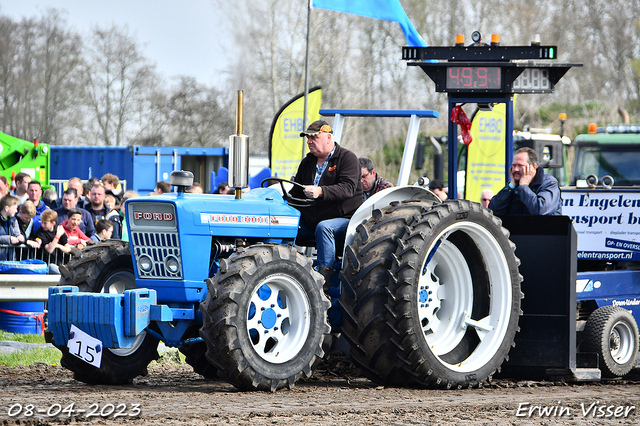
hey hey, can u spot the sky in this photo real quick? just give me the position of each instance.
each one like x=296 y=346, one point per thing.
x=179 y=36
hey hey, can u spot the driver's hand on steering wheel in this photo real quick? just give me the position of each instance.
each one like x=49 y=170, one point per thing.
x=313 y=191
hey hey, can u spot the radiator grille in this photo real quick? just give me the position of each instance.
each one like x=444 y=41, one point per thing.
x=159 y=247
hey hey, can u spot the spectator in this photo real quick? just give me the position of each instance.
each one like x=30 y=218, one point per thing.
x=4 y=186
x=104 y=229
x=86 y=187
x=485 y=197
x=9 y=230
x=22 y=183
x=369 y=178
x=50 y=198
x=76 y=183
x=53 y=240
x=196 y=188
x=71 y=227
x=162 y=187
x=111 y=183
x=116 y=216
x=34 y=191
x=70 y=201
x=223 y=188
x=110 y=202
x=96 y=207
x=437 y=187
x=26 y=223
x=530 y=191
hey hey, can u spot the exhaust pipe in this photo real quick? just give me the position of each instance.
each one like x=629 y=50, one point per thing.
x=238 y=154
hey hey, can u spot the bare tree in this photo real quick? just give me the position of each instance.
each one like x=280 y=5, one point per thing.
x=116 y=76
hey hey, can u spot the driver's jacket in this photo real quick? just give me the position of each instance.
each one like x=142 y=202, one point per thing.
x=341 y=187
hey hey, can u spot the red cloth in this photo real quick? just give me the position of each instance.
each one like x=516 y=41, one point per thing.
x=458 y=116
x=76 y=236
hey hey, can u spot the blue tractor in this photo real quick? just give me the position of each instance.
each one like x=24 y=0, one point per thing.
x=430 y=289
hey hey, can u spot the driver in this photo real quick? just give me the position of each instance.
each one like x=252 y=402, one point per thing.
x=330 y=175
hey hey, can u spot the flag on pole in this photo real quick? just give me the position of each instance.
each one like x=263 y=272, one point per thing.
x=388 y=10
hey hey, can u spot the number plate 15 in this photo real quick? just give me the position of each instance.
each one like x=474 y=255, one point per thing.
x=85 y=347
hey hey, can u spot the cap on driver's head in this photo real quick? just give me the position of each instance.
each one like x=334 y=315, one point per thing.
x=318 y=126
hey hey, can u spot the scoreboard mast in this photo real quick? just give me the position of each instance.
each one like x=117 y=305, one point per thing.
x=487 y=74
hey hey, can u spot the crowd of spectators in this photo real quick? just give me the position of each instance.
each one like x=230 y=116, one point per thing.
x=49 y=226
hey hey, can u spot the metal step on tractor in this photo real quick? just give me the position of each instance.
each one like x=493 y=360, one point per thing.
x=431 y=291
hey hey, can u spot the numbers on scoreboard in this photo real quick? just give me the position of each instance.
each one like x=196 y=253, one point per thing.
x=532 y=79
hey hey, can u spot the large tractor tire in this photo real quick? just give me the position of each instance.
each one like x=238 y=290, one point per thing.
x=612 y=333
x=366 y=284
x=195 y=355
x=265 y=318
x=449 y=314
x=107 y=268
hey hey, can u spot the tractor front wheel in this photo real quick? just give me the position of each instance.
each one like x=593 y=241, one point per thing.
x=107 y=268
x=265 y=318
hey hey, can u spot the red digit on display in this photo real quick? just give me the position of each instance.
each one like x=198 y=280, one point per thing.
x=482 y=77
x=467 y=77
x=455 y=76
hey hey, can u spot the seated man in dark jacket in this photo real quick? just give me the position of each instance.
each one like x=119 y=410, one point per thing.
x=530 y=191
x=330 y=175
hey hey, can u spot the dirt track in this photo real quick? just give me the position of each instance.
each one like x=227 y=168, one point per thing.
x=175 y=395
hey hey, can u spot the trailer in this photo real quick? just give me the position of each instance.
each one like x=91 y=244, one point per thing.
x=140 y=166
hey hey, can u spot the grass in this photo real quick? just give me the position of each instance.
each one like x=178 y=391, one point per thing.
x=52 y=356
x=43 y=354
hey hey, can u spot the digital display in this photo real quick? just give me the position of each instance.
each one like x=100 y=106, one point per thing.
x=474 y=78
x=532 y=80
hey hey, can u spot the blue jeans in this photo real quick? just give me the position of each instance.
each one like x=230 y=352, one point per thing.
x=326 y=234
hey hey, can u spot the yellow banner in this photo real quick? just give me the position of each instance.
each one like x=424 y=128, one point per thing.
x=286 y=145
x=485 y=155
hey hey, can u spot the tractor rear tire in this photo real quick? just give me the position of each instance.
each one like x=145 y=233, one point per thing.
x=107 y=268
x=366 y=282
x=265 y=318
x=448 y=315
x=612 y=333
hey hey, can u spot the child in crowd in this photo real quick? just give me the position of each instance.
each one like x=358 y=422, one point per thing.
x=51 y=238
x=27 y=226
x=110 y=202
x=9 y=229
x=104 y=229
x=75 y=236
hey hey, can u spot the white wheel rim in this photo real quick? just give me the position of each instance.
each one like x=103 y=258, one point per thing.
x=134 y=347
x=445 y=298
x=621 y=343
x=280 y=325
x=117 y=284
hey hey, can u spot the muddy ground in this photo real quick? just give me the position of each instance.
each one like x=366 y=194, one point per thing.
x=173 y=395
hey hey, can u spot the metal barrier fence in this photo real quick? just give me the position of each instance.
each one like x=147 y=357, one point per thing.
x=29 y=287
x=23 y=252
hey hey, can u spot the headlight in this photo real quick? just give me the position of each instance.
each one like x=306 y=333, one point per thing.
x=145 y=262
x=172 y=264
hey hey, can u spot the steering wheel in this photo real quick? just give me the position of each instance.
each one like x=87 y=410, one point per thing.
x=293 y=201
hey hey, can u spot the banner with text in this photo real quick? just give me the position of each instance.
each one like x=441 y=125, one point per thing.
x=285 y=144
x=485 y=155
x=607 y=223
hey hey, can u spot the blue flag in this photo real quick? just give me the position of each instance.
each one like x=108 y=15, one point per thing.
x=388 y=10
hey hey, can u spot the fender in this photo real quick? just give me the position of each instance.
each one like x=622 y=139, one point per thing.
x=382 y=199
